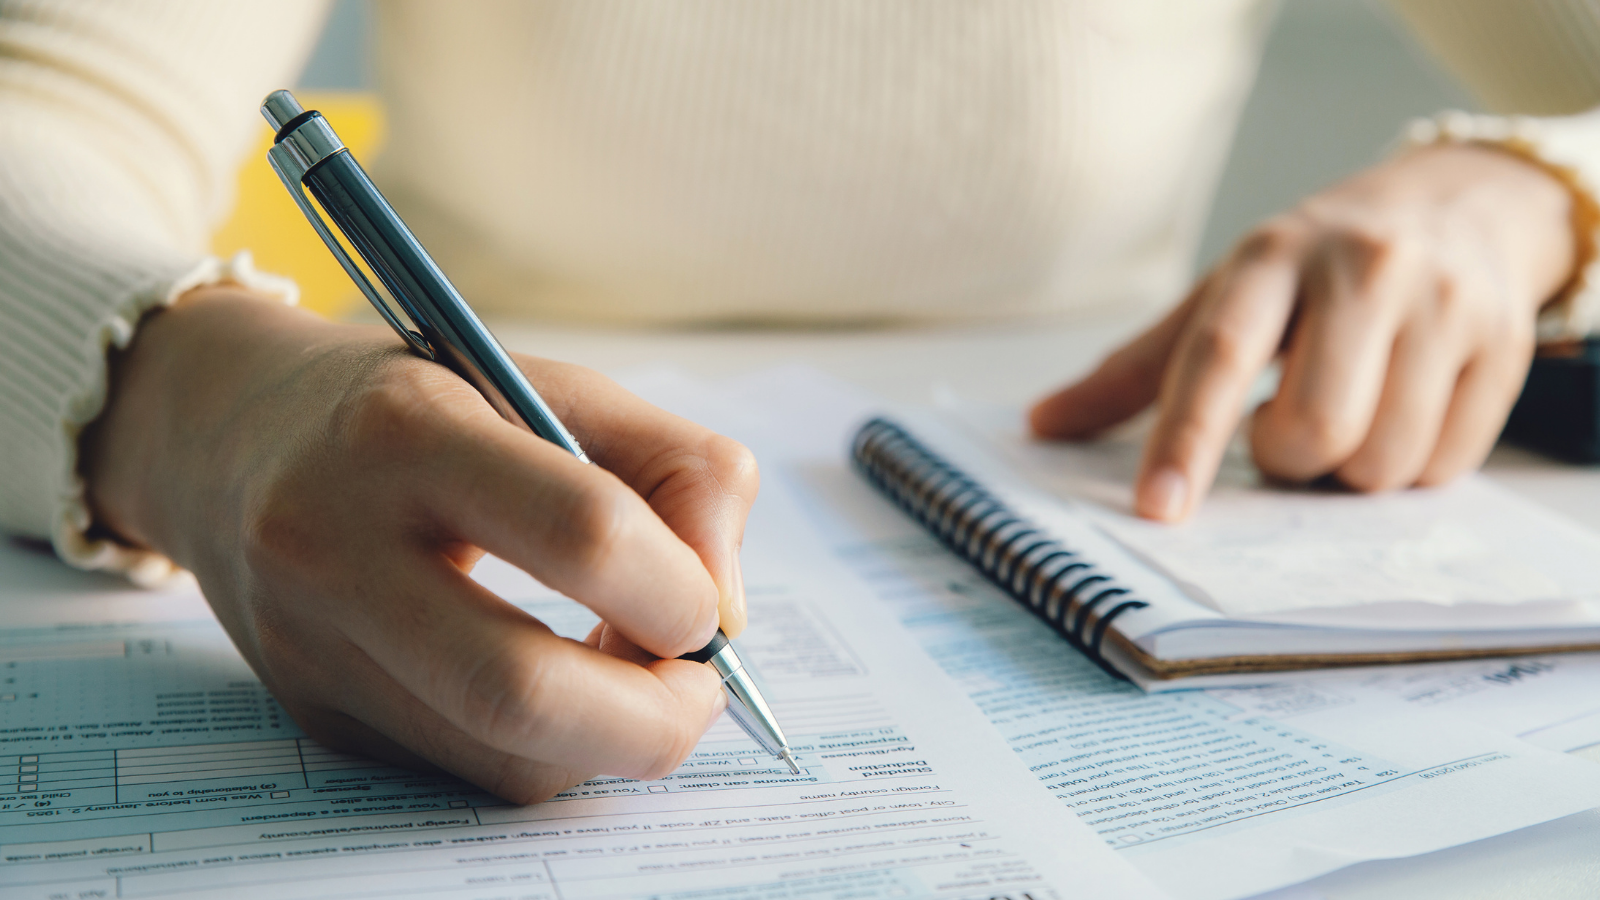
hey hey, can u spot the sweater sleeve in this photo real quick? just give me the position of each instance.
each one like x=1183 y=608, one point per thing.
x=121 y=125
x=1536 y=65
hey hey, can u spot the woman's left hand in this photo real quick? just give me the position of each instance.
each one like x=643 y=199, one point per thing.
x=1402 y=304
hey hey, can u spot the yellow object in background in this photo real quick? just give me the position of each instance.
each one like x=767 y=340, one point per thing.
x=266 y=221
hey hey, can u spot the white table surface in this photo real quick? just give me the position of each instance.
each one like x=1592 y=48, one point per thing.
x=1012 y=363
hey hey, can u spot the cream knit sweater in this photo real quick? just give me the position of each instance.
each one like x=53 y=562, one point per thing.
x=677 y=160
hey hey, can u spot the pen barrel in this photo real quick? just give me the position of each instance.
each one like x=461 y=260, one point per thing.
x=747 y=703
x=747 y=706
x=415 y=281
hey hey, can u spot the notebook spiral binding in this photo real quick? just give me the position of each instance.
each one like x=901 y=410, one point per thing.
x=1021 y=559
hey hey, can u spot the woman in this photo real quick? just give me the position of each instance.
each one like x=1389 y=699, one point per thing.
x=705 y=161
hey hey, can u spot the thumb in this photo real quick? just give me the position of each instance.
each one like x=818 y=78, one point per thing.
x=1124 y=383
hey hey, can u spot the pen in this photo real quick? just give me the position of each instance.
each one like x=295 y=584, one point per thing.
x=308 y=156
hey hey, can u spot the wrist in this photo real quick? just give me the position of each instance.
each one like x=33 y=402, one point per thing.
x=1549 y=214
x=168 y=390
x=1559 y=241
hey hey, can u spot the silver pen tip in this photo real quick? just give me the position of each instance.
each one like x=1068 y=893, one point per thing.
x=788 y=757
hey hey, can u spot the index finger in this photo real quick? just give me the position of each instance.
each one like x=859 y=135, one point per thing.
x=700 y=483
x=575 y=528
x=1225 y=345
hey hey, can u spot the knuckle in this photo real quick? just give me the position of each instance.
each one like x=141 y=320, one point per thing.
x=1362 y=256
x=1364 y=244
x=1276 y=237
x=395 y=406
x=1449 y=301
x=708 y=463
x=594 y=519
x=1221 y=345
x=282 y=530
x=508 y=698
x=382 y=416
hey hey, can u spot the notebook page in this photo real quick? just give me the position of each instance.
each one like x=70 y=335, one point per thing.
x=1469 y=549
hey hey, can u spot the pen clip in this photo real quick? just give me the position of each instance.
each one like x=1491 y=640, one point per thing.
x=297 y=191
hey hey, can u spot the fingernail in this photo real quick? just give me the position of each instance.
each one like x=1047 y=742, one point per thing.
x=717 y=708
x=710 y=631
x=736 y=604
x=1163 y=495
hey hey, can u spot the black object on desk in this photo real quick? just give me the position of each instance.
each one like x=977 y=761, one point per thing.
x=1558 y=413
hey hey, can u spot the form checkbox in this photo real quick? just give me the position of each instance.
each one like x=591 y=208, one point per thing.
x=458 y=804
x=747 y=761
x=280 y=795
x=27 y=787
x=30 y=759
x=27 y=768
x=658 y=789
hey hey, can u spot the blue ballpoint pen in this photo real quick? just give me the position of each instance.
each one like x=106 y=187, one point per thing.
x=308 y=156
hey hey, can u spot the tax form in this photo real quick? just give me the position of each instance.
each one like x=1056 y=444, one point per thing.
x=1213 y=794
x=1548 y=701
x=1220 y=793
x=142 y=758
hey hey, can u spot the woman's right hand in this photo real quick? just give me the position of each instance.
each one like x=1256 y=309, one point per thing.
x=331 y=492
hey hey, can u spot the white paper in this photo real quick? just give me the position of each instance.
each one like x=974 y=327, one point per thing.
x=144 y=759
x=1220 y=794
x=1210 y=795
x=1550 y=701
x=1254 y=551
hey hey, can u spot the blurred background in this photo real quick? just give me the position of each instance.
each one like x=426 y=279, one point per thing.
x=1338 y=81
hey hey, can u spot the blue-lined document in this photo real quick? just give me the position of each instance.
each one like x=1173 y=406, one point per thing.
x=1214 y=794
x=145 y=759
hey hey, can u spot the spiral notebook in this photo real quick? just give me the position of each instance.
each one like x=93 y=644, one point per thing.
x=1119 y=605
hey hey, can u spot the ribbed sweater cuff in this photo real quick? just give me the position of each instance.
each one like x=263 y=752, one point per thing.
x=70 y=518
x=43 y=493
